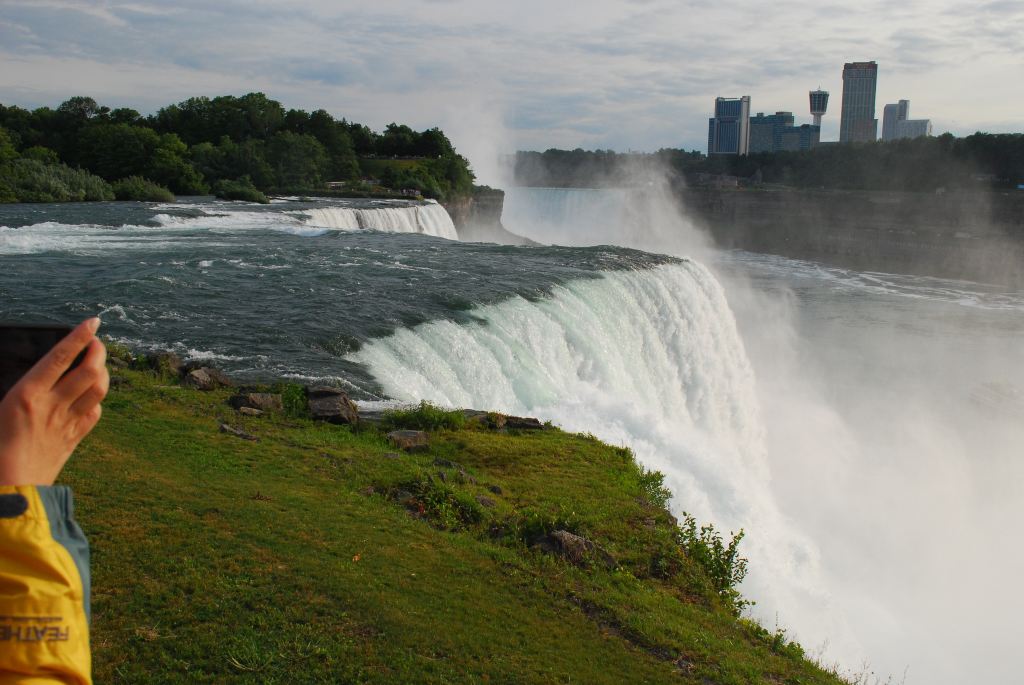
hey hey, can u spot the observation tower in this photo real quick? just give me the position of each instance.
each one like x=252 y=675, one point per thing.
x=819 y=103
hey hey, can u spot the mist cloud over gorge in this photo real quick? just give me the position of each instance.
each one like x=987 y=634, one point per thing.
x=879 y=534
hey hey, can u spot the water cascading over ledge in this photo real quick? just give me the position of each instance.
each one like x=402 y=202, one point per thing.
x=429 y=218
x=650 y=358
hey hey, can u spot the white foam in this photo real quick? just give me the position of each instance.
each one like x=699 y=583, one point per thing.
x=430 y=219
x=84 y=238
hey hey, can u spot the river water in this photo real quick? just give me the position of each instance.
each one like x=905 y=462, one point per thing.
x=863 y=428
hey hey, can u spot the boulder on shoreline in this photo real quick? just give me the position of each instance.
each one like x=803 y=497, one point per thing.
x=331 y=405
x=206 y=378
x=408 y=440
x=263 y=401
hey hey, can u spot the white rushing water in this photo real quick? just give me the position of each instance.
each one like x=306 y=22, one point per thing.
x=171 y=229
x=865 y=429
x=430 y=219
x=650 y=359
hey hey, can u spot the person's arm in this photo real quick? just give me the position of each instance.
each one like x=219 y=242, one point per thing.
x=44 y=557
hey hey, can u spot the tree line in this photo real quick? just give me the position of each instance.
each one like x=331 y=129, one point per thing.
x=927 y=164
x=83 y=150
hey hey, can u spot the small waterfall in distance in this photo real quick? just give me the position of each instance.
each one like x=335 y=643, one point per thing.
x=429 y=218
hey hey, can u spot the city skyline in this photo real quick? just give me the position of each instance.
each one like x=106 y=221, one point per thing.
x=858 y=118
x=622 y=75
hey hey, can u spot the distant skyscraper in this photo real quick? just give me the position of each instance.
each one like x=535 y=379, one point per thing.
x=889 y=119
x=766 y=131
x=892 y=114
x=857 y=123
x=819 y=103
x=903 y=110
x=729 y=130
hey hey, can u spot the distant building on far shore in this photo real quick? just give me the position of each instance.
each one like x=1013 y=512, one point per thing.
x=729 y=130
x=776 y=132
x=913 y=128
x=766 y=131
x=819 y=103
x=897 y=124
x=857 y=122
x=892 y=114
x=800 y=138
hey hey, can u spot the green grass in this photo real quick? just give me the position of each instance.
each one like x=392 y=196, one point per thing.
x=375 y=166
x=316 y=556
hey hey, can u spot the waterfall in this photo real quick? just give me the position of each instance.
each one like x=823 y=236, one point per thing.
x=430 y=219
x=649 y=358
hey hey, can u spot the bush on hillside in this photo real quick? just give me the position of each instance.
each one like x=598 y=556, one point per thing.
x=30 y=180
x=725 y=567
x=141 y=190
x=425 y=417
x=41 y=154
x=6 y=193
x=242 y=189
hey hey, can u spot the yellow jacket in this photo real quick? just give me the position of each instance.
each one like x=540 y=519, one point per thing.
x=44 y=588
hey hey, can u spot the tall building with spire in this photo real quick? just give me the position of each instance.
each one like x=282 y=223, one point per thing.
x=729 y=130
x=857 y=122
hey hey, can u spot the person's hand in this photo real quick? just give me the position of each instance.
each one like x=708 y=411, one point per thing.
x=46 y=414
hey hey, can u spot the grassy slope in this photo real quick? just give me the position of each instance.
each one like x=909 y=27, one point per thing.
x=216 y=559
x=375 y=166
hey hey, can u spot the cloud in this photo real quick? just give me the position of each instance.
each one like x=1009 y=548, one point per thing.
x=638 y=75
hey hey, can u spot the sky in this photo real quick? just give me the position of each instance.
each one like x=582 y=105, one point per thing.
x=530 y=74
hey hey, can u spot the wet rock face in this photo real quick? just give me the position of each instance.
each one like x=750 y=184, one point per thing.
x=263 y=401
x=496 y=421
x=523 y=423
x=332 y=405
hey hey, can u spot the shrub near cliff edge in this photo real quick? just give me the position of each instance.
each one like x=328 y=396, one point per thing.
x=29 y=180
x=141 y=190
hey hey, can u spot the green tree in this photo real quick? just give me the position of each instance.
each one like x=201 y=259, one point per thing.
x=170 y=167
x=202 y=119
x=79 y=109
x=125 y=115
x=298 y=160
x=228 y=160
x=115 y=151
x=364 y=141
x=398 y=140
x=342 y=164
x=41 y=154
x=20 y=123
x=8 y=150
x=434 y=143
